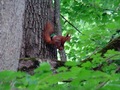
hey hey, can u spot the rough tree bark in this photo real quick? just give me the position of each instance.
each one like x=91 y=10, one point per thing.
x=11 y=17
x=37 y=13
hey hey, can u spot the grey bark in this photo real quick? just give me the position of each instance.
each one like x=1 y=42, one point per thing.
x=37 y=13
x=11 y=17
x=58 y=26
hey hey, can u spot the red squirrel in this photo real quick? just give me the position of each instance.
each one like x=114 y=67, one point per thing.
x=53 y=39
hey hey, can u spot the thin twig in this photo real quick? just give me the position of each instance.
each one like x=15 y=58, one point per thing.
x=71 y=24
x=107 y=59
x=102 y=84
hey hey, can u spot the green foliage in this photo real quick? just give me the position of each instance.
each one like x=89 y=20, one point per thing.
x=98 y=20
x=73 y=75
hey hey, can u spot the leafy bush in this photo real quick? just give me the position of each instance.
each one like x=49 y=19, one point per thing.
x=73 y=75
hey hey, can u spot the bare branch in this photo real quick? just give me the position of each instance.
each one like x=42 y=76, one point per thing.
x=71 y=24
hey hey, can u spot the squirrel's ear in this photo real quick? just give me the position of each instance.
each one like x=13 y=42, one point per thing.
x=68 y=37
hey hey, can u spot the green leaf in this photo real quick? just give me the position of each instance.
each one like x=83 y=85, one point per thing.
x=112 y=85
x=62 y=69
x=44 y=67
x=71 y=63
x=7 y=75
x=87 y=64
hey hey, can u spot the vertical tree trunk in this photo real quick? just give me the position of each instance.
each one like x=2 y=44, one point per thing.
x=11 y=16
x=37 y=13
x=58 y=26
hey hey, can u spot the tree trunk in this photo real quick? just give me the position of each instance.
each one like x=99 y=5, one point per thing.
x=58 y=26
x=11 y=17
x=37 y=13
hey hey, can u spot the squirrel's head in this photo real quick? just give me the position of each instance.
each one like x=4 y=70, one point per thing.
x=60 y=40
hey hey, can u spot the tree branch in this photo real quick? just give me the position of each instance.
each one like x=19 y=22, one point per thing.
x=70 y=24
